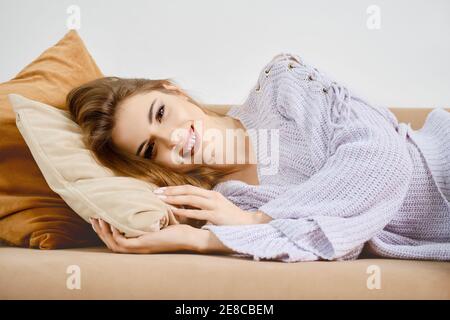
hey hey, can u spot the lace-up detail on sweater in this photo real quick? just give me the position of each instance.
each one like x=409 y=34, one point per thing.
x=339 y=97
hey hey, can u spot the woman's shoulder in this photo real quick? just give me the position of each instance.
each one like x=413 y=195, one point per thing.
x=298 y=92
x=276 y=73
x=278 y=65
x=285 y=87
x=285 y=59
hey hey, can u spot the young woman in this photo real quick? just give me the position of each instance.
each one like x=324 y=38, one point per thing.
x=322 y=173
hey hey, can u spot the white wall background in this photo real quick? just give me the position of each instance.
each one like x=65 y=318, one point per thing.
x=215 y=49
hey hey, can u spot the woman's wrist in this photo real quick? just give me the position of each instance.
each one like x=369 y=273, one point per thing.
x=205 y=241
x=259 y=217
x=192 y=239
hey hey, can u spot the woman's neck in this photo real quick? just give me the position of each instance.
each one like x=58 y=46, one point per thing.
x=247 y=171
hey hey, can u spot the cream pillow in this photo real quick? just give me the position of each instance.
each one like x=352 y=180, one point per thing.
x=71 y=170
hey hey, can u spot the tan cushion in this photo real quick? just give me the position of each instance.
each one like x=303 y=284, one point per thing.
x=31 y=214
x=416 y=117
x=70 y=169
x=42 y=274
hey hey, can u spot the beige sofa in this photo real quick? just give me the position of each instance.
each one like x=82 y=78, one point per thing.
x=42 y=274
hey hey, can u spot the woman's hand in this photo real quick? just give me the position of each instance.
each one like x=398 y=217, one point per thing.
x=172 y=238
x=212 y=206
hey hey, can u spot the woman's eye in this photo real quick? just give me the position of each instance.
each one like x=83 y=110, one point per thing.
x=149 y=151
x=160 y=113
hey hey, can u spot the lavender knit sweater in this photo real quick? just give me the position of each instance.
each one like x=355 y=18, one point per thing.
x=348 y=175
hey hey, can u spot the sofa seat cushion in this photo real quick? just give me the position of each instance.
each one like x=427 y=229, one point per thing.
x=42 y=274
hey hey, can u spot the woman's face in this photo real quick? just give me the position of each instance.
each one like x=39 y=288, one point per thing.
x=160 y=126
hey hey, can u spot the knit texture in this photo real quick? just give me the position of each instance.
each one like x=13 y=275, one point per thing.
x=348 y=175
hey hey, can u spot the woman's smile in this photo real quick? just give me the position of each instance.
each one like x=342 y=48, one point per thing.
x=192 y=142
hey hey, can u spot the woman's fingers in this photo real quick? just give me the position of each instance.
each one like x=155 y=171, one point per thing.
x=123 y=242
x=107 y=235
x=192 y=200
x=105 y=232
x=172 y=238
x=117 y=236
x=171 y=215
x=194 y=214
x=185 y=189
x=96 y=225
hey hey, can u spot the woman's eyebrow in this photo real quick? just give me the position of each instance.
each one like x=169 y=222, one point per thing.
x=150 y=119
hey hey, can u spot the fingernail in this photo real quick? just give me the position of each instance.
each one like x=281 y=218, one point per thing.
x=159 y=190
x=92 y=225
x=161 y=196
x=111 y=227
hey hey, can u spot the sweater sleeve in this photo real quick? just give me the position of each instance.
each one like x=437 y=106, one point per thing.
x=331 y=215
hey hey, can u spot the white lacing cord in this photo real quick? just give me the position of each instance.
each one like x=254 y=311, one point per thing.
x=340 y=97
x=340 y=108
x=403 y=129
x=340 y=94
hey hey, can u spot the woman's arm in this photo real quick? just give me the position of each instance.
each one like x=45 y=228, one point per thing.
x=261 y=217
x=205 y=241
x=180 y=237
x=173 y=238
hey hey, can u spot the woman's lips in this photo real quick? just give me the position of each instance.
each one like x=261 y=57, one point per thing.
x=188 y=141
x=197 y=141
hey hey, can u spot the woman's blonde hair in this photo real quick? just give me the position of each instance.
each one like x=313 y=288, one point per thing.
x=93 y=106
